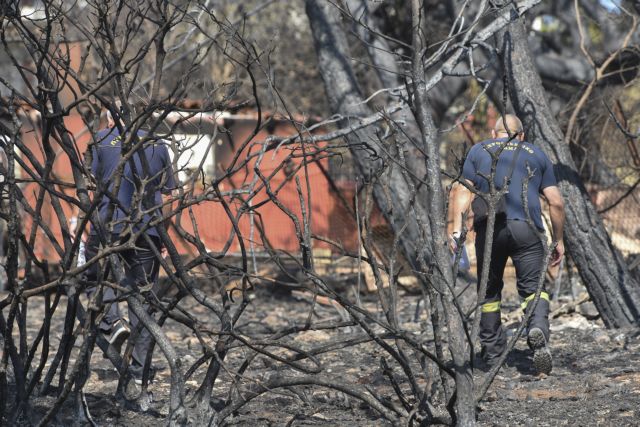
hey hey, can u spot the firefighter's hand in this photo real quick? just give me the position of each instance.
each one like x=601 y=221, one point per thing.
x=557 y=253
x=453 y=241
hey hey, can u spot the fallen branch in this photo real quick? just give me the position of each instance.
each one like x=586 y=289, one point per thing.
x=570 y=307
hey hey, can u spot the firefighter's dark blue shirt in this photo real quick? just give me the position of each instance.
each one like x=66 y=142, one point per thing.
x=531 y=158
x=107 y=154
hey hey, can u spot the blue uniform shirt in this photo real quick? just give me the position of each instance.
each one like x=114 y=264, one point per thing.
x=479 y=161
x=107 y=154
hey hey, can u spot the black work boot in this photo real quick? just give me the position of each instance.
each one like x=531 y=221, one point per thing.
x=542 y=361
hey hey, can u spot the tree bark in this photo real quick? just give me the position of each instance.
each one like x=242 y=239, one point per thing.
x=367 y=150
x=422 y=230
x=602 y=268
x=441 y=97
x=465 y=402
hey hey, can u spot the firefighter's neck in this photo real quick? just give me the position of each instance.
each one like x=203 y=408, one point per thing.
x=519 y=136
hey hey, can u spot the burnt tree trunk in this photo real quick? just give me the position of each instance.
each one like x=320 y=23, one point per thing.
x=442 y=276
x=602 y=268
x=367 y=149
x=385 y=63
x=415 y=221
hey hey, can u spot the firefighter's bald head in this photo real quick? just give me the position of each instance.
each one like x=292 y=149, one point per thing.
x=508 y=126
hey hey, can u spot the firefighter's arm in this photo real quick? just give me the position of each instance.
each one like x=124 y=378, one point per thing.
x=460 y=203
x=167 y=207
x=556 y=212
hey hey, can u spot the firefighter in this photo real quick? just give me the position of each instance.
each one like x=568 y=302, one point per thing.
x=516 y=233
x=130 y=218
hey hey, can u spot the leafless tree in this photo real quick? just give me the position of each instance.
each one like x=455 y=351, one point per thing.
x=126 y=49
x=613 y=289
x=409 y=193
x=130 y=51
x=406 y=183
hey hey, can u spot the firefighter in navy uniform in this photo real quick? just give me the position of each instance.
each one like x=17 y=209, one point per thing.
x=141 y=265
x=513 y=236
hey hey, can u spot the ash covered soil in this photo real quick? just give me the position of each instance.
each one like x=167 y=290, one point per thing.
x=595 y=380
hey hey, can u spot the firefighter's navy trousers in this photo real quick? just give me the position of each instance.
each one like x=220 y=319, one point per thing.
x=515 y=239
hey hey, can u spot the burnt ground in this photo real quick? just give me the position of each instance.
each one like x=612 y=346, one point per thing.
x=595 y=381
